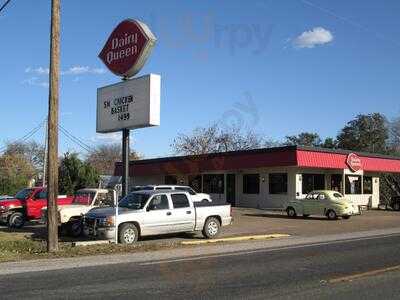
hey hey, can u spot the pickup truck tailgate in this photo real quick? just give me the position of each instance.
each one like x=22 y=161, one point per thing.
x=205 y=210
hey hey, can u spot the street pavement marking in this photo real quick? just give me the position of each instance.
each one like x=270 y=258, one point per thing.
x=257 y=251
x=365 y=274
x=237 y=239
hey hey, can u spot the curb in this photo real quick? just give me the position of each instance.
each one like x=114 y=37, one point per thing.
x=90 y=243
x=237 y=239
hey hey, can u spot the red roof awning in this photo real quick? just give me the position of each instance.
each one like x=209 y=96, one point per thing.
x=304 y=157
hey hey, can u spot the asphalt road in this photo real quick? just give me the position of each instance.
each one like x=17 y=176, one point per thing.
x=301 y=272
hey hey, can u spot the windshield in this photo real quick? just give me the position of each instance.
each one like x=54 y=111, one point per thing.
x=134 y=201
x=337 y=195
x=186 y=189
x=23 y=194
x=83 y=198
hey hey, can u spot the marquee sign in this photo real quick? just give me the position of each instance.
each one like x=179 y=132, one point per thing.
x=130 y=104
x=128 y=48
x=354 y=162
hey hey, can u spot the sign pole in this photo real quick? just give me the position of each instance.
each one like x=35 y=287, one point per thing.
x=125 y=162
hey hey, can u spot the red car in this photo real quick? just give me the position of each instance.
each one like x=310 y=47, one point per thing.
x=26 y=205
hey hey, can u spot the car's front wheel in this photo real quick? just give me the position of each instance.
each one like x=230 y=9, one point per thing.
x=331 y=214
x=291 y=212
x=16 y=220
x=75 y=228
x=211 y=228
x=128 y=234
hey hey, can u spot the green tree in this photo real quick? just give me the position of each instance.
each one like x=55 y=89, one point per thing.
x=329 y=143
x=16 y=172
x=309 y=139
x=75 y=174
x=367 y=133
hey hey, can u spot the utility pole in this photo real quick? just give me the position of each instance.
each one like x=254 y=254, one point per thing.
x=45 y=155
x=52 y=186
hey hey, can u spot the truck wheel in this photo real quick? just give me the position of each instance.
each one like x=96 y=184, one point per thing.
x=331 y=215
x=16 y=220
x=211 y=228
x=128 y=234
x=75 y=228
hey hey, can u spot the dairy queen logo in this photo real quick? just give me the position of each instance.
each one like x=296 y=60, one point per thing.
x=127 y=48
x=354 y=162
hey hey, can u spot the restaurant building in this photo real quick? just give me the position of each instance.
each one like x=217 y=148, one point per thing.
x=270 y=177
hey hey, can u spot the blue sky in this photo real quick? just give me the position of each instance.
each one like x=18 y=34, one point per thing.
x=277 y=67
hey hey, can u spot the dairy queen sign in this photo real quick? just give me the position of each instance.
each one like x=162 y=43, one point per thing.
x=354 y=162
x=128 y=48
x=133 y=102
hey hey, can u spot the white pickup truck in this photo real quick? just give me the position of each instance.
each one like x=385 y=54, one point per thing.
x=70 y=216
x=145 y=213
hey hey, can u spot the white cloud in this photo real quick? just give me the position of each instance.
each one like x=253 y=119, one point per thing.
x=98 y=71
x=79 y=70
x=35 y=81
x=312 y=38
x=38 y=71
x=74 y=70
x=114 y=137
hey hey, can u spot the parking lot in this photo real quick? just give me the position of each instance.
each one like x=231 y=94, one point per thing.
x=255 y=221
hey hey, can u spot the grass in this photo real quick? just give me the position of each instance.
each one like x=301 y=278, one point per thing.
x=19 y=246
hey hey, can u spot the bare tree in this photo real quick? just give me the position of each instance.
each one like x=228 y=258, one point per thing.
x=32 y=151
x=104 y=156
x=394 y=135
x=211 y=139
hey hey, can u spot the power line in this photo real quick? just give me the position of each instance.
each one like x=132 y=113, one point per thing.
x=26 y=136
x=4 y=5
x=75 y=139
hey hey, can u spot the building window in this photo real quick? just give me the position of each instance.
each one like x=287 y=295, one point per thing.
x=337 y=183
x=251 y=184
x=213 y=183
x=170 y=179
x=368 y=185
x=353 y=184
x=278 y=183
x=313 y=182
x=195 y=183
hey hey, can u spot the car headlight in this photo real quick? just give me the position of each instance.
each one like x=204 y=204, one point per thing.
x=3 y=208
x=106 y=222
